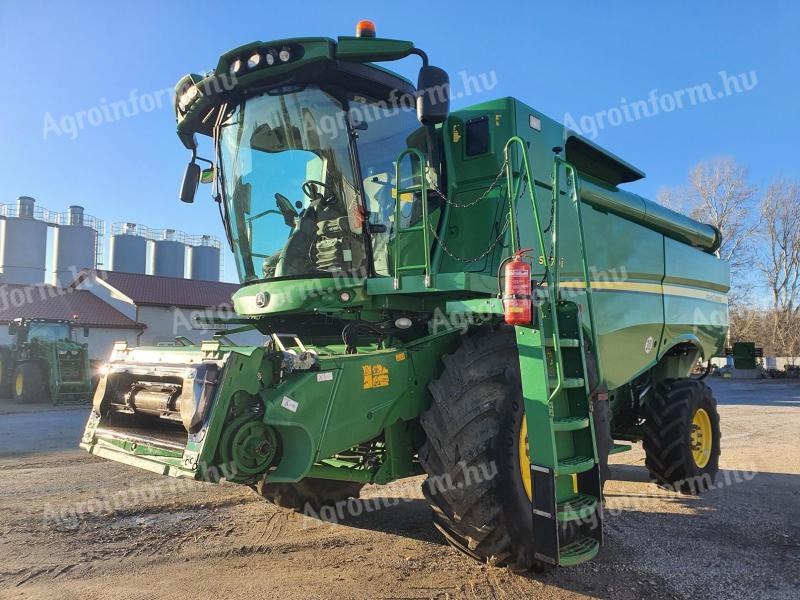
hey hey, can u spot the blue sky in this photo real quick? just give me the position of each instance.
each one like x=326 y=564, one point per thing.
x=577 y=58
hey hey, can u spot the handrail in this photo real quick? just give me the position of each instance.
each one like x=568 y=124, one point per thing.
x=552 y=292
x=576 y=200
x=422 y=188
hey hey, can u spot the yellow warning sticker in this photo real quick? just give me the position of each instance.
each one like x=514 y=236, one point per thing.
x=400 y=356
x=404 y=197
x=375 y=376
x=456 y=134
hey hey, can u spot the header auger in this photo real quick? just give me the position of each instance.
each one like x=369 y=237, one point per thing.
x=371 y=228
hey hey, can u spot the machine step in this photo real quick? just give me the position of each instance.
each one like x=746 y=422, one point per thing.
x=569 y=382
x=563 y=342
x=618 y=448
x=580 y=507
x=570 y=423
x=575 y=464
x=578 y=551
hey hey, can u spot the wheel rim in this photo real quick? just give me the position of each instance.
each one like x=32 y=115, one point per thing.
x=18 y=382
x=701 y=439
x=525 y=459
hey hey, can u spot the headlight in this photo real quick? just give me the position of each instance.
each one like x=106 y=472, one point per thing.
x=284 y=55
x=187 y=97
x=270 y=58
x=236 y=66
x=254 y=61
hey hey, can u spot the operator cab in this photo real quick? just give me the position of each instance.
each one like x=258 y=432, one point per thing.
x=305 y=165
x=46 y=330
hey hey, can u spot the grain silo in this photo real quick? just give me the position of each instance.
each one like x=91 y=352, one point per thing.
x=23 y=243
x=128 y=248
x=204 y=259
x=74 y=246
x=168 y=256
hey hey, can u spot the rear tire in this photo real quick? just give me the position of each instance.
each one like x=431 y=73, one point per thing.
x=29 y=383
x=473 y=428
x=682 y=435
x=6 y=374
x=310 y=493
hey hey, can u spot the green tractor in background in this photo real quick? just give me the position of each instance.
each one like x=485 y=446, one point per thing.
x=45 y=362
x=384 y=248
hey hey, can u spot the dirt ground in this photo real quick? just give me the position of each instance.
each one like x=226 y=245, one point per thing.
x=76 y=526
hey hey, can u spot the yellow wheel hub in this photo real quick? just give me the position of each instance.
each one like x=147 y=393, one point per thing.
x=525 y=459
x=525 y=462
x=701 y=438
x=18 y=384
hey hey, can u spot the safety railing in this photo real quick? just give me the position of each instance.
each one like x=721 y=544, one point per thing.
x=574 y=182
x=526 y=173
x=423 y=226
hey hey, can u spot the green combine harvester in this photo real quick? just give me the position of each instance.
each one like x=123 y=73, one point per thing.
x=45 y=363
x=466 y=295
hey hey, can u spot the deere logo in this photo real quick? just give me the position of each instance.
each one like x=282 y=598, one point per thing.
x=375 y=376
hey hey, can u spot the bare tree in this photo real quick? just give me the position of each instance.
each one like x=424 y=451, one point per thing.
x=779 y=261
x=779 y=255
x=718 y=193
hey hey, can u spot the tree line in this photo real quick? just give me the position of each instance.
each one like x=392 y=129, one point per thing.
x=761 y=240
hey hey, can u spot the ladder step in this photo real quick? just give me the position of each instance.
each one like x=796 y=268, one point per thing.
x=576 y=464
x=570 y=423
x=619 y=448
x=580 y=507
x=569 y=382
x=564 y=342
x=578 y=551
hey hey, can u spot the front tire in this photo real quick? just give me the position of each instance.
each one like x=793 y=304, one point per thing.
x=682 y=435
x=309 y=493
x=29 y=383
x=473 y=452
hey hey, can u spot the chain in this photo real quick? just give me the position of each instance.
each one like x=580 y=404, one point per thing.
x=482 y=255
x=481 y=197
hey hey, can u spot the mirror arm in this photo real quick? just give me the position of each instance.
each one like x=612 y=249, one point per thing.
x=421 y=54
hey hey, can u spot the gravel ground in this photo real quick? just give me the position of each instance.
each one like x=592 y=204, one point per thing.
x=143 y=536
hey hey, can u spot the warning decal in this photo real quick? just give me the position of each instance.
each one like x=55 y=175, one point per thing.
x=375 y=376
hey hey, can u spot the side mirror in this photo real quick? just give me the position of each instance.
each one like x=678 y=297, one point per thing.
x=433 y=95
x=191 y=179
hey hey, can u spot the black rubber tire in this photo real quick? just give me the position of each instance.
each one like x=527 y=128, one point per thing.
x=310 y=493
x=667 y=435
x=34 y=384
x=474 y=421
x=6 y=372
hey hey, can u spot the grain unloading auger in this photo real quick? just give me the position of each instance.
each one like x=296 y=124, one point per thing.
x=464 y=295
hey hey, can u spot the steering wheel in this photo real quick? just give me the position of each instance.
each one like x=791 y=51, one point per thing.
x=310 y=189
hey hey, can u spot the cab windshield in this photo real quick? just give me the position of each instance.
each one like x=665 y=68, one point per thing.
x=49 y=332
x=289 y=188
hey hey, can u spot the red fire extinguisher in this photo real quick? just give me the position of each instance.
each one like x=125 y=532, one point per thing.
x=517 y=309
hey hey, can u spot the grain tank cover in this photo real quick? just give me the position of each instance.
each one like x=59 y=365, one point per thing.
x=593 y=160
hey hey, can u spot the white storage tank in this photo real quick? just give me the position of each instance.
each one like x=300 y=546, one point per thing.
x=128 y=249
x=74 y=247
x=23 y=244
x=168 y=257
x=204 y=259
